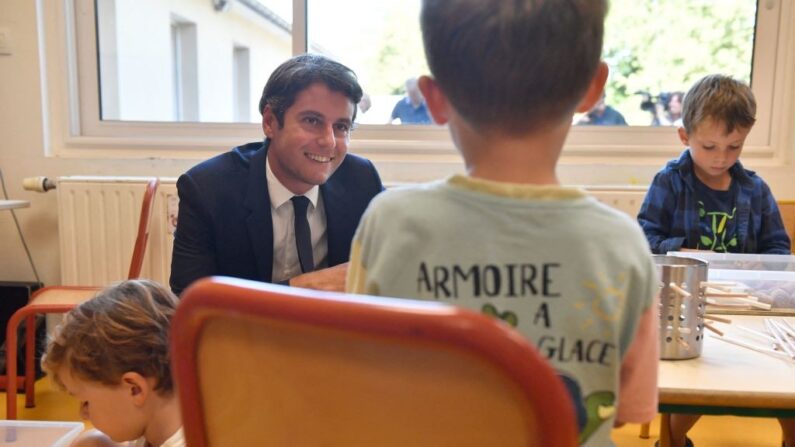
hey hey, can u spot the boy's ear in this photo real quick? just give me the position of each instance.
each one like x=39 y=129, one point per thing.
x=435 y=100
x=136 y=386
x=683 y=137
x=595 y=88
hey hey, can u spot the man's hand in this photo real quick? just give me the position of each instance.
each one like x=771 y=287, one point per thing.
x=331 y=279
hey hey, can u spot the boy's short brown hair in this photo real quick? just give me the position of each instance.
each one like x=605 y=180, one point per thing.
x=123 y=328
x=513 y=66
x=720 y=99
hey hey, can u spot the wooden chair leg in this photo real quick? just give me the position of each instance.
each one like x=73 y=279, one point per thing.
x=665 y=430
x=644 y=430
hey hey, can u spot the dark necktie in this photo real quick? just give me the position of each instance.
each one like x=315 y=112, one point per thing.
x=303 y=236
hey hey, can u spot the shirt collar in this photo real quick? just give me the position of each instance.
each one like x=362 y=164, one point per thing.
x=516 y=190
x=279 y=194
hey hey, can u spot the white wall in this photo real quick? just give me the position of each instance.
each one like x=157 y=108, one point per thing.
x=22 y=153
x=140 y=43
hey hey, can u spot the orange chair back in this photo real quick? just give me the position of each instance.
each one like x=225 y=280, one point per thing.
x=141 y=239
x=261 y=364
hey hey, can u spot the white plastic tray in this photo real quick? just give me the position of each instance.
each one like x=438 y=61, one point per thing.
x=38 y=433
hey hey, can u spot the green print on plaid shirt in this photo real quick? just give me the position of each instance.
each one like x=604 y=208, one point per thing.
x=716 y=241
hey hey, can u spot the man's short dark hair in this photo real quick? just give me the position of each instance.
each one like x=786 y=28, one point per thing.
x=513 y=66
x=292 y=77
x=721 y=99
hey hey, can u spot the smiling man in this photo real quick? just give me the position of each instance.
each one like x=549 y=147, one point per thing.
x=283 y=210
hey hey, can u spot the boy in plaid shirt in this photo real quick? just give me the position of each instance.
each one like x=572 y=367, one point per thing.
x=706 y=200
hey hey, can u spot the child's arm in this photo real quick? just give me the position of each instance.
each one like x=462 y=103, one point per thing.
x=637 y=395
x=356 y=280
x=656 y=216
x=773 y=237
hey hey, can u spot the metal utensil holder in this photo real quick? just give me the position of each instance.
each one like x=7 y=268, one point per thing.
x=682 y=304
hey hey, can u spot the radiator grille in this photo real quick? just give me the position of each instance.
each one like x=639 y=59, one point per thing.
x=98 y=221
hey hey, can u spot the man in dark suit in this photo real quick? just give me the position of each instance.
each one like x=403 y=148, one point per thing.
x=283 y=210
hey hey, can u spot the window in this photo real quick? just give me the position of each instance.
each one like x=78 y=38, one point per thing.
x=115 y=47
x=241 y=84
x=184 y=74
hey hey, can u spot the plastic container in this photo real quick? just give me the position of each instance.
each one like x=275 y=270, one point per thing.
x=774 y=288
x=38 y=433
x=682 y=305
x=741 y=261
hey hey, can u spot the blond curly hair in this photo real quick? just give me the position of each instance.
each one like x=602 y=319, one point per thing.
x=124 y=328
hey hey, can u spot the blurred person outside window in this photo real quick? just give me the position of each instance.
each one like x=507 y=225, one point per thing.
x=411 y=109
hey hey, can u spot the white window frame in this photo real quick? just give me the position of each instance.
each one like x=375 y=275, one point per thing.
x=68 y=33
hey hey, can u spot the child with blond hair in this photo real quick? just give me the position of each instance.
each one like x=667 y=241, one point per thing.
x=112 y=354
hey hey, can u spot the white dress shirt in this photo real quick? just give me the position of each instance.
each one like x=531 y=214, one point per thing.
x=285 y=254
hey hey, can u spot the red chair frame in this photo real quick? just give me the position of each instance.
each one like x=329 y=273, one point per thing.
x=28 y=313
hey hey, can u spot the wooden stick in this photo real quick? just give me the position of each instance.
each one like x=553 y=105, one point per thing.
x=718 y=283
x=723 y=304
x=757 y=333
x=753 y=303
x=789 y=326
x=752 y=346
x=785 y=344
x=716 y=318
x=679 y=291
x=721 y=294
x=713 y=329
x=785 y=330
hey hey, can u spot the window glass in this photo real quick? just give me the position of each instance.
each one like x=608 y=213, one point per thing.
x=655 y=48
x=207 y=60
x=381 y=42
x=188 y=60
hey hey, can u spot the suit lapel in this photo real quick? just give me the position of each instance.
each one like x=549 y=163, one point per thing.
x=336 y=203
x=258 y=222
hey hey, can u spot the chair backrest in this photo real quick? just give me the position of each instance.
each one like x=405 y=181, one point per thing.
x=262 y=364
x=787 y=209
x=141 y=239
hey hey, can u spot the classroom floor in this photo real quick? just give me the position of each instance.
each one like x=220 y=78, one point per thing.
x=711 y=431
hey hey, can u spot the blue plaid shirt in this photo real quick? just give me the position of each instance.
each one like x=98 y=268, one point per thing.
x=669 y=215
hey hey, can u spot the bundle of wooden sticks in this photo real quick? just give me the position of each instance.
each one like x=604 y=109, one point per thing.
x=778 y=338
x=731 y=295
x=685 y=294
x=779 y=335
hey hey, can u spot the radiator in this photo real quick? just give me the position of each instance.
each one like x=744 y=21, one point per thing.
x=98 y=221
x=623 y=198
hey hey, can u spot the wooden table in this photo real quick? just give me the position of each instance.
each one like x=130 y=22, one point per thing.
x=728 y=379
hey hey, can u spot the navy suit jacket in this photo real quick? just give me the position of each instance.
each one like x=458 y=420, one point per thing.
x=224 y=225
